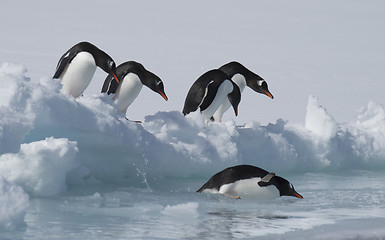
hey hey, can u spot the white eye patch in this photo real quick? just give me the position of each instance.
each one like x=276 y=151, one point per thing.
x=110 y=64
x=260 y=82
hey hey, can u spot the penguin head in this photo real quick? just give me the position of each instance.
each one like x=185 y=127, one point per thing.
x=285 y=187
x=235 y=98
x=154 y=83
x=253 y=80
x=147 y=78
x=259 y=85
x=108 y=65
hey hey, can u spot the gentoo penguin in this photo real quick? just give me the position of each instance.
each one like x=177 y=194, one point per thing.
x=246 y=181
x=243 y=77
x=132 y=77
x=78 y=65
x=209 y=91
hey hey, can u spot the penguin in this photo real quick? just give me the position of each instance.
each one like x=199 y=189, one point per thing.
x=243 y=77
x=209 y=91
x=132 y=77
x=247 y=181
x=77 y=66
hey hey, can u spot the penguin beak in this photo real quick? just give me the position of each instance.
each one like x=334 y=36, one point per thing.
x=116 y=78
x=236 y=111
x=163 y=95
x=297 y=195
x=268 y=94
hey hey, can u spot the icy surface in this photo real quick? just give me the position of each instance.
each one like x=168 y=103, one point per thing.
x=70 y=140
x=13 y=204
x=77 y=169
x=92 y=160
x=41 y=167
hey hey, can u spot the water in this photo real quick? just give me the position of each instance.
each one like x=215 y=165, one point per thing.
x=346 y=205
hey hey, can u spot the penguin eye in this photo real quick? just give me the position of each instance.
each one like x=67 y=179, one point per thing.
x=260 y=82
x=110 y=64
x=158 y=82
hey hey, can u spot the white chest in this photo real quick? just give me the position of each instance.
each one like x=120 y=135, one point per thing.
x=249 y=188
x=78 y=74
x=238 y=79
x=224 y=89
x=127 y=91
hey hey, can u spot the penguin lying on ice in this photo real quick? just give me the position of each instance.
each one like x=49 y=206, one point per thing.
x=246 y=181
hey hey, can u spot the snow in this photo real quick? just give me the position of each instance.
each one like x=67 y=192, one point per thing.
x=76 y=168
x=41 y=167
x=62 y=141
x=13 y=205
x=319 y=121
x=183 y=212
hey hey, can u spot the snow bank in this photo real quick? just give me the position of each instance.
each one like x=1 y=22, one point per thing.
x=182 y=212
x=41 y=167
x=13 y=204
x=318 y=121
x=51 y=140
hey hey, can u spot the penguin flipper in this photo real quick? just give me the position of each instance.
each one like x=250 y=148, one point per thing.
x=211 y=91
x=268 y=177
x=194 y=97
x=62 y=64
x=199 y=90
x=265 y=181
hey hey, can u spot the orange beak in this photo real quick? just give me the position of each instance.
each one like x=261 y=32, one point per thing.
x=298 y=195
x=116 y=78
x=163 y=95
x=268 y=94
x=236 y=112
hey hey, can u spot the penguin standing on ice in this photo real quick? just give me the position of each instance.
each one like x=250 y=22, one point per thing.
x=243 y=77
x=209 y=91
x=132 y=77
x=77 y=66
x=246 y=181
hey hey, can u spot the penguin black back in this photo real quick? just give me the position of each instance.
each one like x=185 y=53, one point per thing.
x=198 y=94
x=232 y=174
x=122 y=70
x=102 y=59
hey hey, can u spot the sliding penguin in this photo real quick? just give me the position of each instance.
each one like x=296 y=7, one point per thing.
x=246 y=181
x=78 y=65
x=132 y=77
x=243 y=77
x=209 y=91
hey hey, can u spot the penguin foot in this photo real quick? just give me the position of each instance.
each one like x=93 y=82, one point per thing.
x=135 y=121
x=231 y=196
